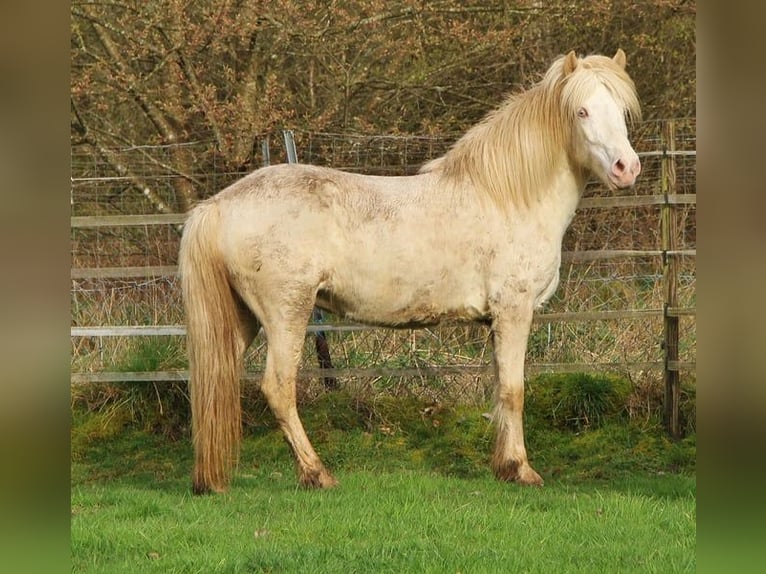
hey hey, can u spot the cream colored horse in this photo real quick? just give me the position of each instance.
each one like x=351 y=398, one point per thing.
x=476 y=236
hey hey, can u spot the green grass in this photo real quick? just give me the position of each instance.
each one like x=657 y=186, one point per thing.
x=416 y=495
x=386 y=522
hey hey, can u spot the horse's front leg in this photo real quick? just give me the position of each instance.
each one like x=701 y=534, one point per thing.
x=510 y=332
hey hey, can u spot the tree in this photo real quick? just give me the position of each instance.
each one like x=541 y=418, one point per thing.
x=229 y=72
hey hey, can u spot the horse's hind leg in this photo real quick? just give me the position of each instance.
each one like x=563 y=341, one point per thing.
x=285 y=343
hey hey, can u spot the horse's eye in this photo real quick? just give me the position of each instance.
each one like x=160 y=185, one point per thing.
x=582 y=113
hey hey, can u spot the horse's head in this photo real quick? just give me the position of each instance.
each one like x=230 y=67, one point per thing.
x=599 y=97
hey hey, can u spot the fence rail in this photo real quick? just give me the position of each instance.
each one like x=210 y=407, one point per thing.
x=154 y=330
x=374 y=372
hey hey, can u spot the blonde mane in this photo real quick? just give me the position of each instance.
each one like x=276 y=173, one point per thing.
x=509 y=155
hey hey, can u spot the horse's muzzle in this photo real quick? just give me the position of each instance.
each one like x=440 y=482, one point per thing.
x=625 y=171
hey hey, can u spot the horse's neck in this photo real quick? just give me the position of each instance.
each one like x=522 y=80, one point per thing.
x=555 y=205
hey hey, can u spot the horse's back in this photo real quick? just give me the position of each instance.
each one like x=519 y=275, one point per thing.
x=307 y=207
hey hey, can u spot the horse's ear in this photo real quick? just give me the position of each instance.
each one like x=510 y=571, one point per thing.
x=570 y=63
x=619 y=58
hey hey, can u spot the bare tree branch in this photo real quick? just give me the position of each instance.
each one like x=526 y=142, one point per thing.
x=109 y=155
x=159 y=120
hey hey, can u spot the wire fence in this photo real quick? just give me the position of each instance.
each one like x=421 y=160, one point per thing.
x=608 y=314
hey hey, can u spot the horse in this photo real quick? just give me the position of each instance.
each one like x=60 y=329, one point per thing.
x=475 y=235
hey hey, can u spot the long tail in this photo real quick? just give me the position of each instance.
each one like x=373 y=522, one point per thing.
x=215 y=346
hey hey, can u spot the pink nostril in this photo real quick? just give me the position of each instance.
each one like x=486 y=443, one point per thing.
x=621 y=169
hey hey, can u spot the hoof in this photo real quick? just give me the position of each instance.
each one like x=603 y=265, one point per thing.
x=528 y=476
x=521 y=473
x=199 y=488
x=317 y=479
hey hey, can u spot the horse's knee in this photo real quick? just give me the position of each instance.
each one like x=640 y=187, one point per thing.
x=510 y=398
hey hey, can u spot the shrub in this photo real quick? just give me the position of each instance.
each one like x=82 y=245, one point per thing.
x=577 y=401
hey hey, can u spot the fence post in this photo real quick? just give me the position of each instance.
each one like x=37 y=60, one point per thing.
x=265 y=153
x=670 y=277
x=292 y=154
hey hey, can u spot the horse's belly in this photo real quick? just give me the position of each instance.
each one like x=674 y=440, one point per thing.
x=397 y=304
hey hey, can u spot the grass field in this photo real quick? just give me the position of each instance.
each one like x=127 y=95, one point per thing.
x=416 y=495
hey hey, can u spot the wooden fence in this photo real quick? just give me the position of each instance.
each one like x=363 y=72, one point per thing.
x=669 y=312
